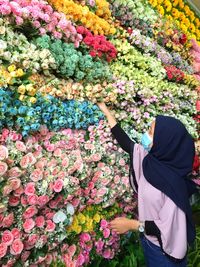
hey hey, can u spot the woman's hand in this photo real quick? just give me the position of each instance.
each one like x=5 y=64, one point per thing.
x=103 y=107
x=122 y=225
x=111 y=119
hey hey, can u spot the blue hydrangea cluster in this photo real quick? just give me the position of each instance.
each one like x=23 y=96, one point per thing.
x=50 y=111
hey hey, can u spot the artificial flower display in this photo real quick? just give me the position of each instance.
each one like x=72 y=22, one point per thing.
x=63 y=176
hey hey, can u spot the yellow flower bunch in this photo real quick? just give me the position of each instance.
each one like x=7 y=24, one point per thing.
x=86 y=220
x=181 y=14
x=191 y=81
x=103 y=9
x=8 y=75
x=90 y=217
x=83 y=15
x=27 y=92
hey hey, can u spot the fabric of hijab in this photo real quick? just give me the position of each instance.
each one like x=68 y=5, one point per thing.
x=168 y=164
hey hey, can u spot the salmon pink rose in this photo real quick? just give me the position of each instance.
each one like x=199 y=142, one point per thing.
x=7 y=237
x=39 y=221
x=8 y=220
x=50 y=226
x=32 y=200
x=36 y=175
x=25 y=255
x=3 y=168
x=24 y=162
x=58 y=185
x=28 y=225
x=14 y=172
x=30 y=212
x=16 y=247
x=43 y=200
x=3 y=249
x=14 y=183
x=14 y=201
x=16 y=233
x=20 y=146
x=7 y=190
x=3 y=152
x=30 y=189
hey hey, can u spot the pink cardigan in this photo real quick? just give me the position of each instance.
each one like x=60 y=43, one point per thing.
x=153 y=205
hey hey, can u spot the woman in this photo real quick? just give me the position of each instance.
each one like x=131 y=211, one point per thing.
x=158 y=173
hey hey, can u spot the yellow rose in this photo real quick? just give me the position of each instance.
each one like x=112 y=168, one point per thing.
x=32 y=92
x=21 y=97
x=11 y=68
x=29 y=87
x=33 y=100
x=20 y=72
x=97 y=218
x=21 y=89
x=81 y=218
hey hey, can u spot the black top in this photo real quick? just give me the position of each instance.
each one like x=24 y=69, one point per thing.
x=122 y=138
x=127 y=145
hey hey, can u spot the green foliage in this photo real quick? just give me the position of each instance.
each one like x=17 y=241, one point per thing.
x=194 y=252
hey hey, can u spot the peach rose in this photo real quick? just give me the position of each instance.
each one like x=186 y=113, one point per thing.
x=3 y=152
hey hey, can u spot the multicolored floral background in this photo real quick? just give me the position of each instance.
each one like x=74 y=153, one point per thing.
x=62 y=174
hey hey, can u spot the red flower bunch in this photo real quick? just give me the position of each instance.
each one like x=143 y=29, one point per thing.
x=99 y=46
x=183 y=39
x=174 y=74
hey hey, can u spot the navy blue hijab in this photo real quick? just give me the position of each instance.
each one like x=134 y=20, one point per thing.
x=168 y=164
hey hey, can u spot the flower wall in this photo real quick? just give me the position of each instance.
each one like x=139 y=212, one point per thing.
x=62 y=175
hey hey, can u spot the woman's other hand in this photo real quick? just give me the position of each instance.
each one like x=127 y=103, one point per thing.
x=122 y=225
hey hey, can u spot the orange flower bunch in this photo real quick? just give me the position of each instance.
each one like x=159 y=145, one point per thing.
x=68 y=89
x=82 y=14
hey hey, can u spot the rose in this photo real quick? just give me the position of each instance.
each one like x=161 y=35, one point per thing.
x=7 y=190
x=106 y=233
x=107 y=254
x=32 y=200
x=3 y=168
x=3 y=152
x=14 y=201
x=36 y=175
x=103 y=224
x=50 y=226
x=20 y=146
x=43 y=200
x=7 y=237
x=32 y=239
x=85 y=237
x=16 y=233
x=14 y=183
x=39 y=221
x=16 y=247
x=19 y=191
x=25 y=255
x=58 y=185
x=102 y=191
x=24 y=162
x=28 y=225
x=8 y=220
x=3 y=249
x=30 y=189
x=30 y=212
x=14 y=172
